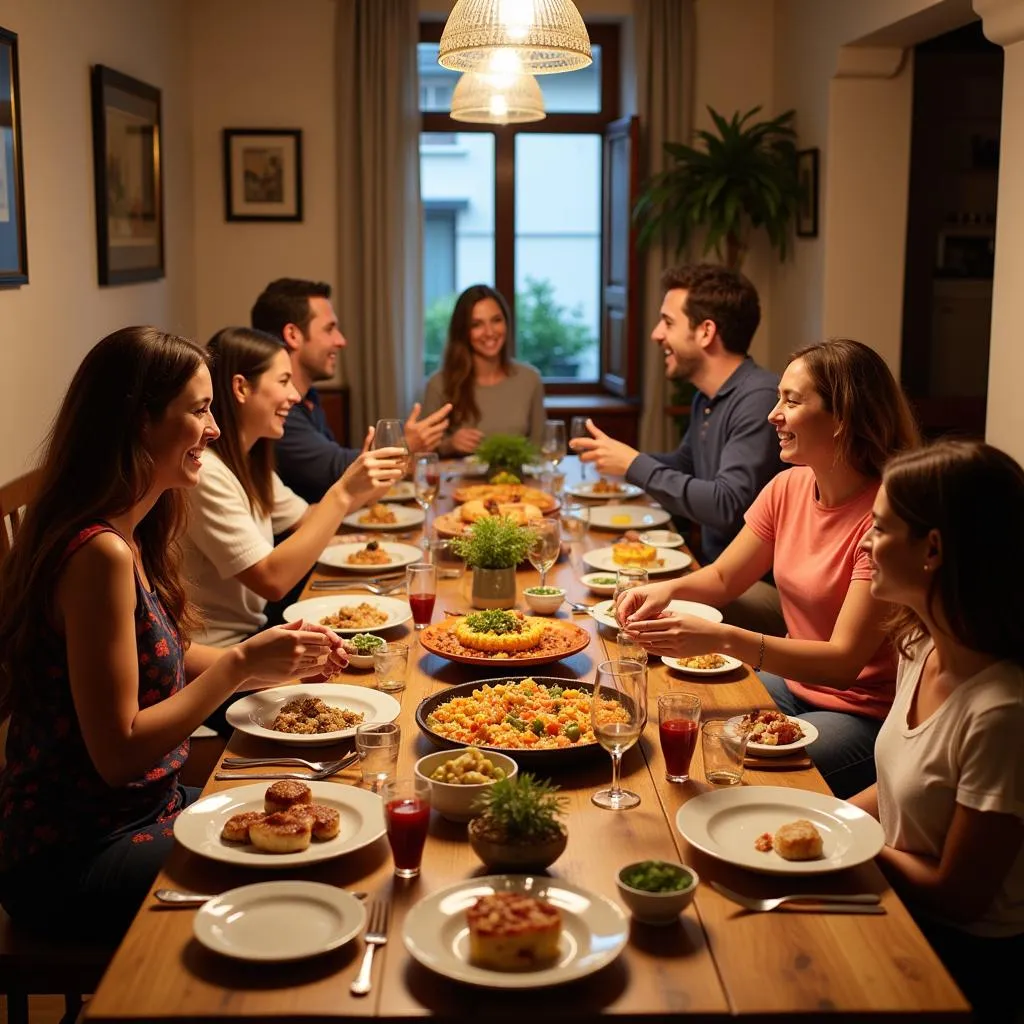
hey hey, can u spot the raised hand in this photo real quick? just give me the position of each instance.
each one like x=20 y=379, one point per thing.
x=610 y=456
x=372 y=473
x=424 y=435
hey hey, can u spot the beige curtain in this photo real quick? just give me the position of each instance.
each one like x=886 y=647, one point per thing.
x=379 y=290
x=665 y=44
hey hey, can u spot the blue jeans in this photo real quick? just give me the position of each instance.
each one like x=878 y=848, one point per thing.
x=844 y=751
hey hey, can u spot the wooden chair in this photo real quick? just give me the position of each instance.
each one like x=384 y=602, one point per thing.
x=13 y=499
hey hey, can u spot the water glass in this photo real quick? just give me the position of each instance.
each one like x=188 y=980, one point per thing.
x=377 y=746
x=450 y=565
x=421 y=586
x=678 y=725
x=616 y=717
x=391 y=663
x=552 y=483
x=626 y=579
x=553 y=446
x=724 y=746
x=546 y=546
x=389 y=434
x=407 y=816
x=578 y=428
x=426 y=482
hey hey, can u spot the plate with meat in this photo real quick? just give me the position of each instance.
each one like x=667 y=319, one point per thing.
x=350 y=614
x=373 y=556
x=773 y=734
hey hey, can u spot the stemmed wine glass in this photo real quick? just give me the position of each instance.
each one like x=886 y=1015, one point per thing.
x=616 y=713
x=627 y=578
x=575 y=521
x=426 y=481
x=547 y=543
x=578 y=428
x=630 y=650
x=389 y=434
x=553 y=446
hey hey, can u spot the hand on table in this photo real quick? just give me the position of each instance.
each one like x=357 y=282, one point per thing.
x=466 y=440
x=611 y=456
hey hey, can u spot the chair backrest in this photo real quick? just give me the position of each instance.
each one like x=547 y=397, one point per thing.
x=14 y=496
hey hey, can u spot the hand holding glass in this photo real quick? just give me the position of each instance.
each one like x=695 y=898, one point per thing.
x=547 y=543
x=407 y=815
x=616 y=716
x=678 y=725
x=626 y=579
x=377 y=747
x=421 y=586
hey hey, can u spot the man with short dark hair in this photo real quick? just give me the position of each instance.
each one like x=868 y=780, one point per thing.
x=309 y=460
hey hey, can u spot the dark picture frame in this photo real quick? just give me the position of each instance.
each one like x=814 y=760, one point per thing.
x=127 y=161
x=807 y=211
x=13 y=233
x=263 y=174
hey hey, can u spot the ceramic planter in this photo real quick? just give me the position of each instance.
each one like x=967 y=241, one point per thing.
x=494 y=588
x=516 y=856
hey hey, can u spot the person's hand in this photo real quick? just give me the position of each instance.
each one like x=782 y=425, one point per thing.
x=337 y=656
x=424 y=435
x=611 y=457
x=676 y=635
x=645 y=602
x=371 y=475
x=287 y=652
x=466 y=440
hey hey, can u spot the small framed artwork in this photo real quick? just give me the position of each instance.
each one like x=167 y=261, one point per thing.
x=13 y=236
x=127 y=158
x=263 y=174
x=807 y=176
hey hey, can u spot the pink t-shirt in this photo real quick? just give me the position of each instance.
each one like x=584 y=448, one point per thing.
x=816 y=557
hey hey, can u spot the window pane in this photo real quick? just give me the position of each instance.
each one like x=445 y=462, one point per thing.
x=558 y=253
x=457 y=188
x=436 y=82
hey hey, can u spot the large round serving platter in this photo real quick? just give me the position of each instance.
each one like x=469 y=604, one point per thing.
x=627 y=517
x=671 y=561
x=399 y=556
x=525 y=758
x=404 y=518
x=313 y=609
x=577 y=639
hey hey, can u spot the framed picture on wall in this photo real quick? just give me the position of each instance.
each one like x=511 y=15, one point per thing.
x=807 y=211
x=13 y=236
x=263 y=174
x=127 y=158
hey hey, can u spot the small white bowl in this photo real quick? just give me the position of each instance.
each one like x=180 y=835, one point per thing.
x=360 y=660
x=544 y=604
x=451 y=800
x=662 y=539
x=591 y=578
x=657 y=907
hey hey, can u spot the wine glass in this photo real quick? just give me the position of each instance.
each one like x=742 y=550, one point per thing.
x=617 y=717
x=389 y=434
x=547 y=543
x=553 y=446
x=627 y=578
x=575 y=521
x=578 y=428
x=630 y=650
x=426 y=481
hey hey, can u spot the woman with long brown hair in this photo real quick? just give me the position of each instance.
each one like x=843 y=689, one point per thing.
x=489 y=391
x=95 y=649
x=840 y=417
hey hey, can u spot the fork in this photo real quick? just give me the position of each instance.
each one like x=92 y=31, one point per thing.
x=376 y=935
x=831 y=902
x=286 y=762
x=331 y=768
x=578 y=608
x=373 y=588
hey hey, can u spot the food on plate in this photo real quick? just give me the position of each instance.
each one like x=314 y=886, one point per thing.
x=504 y=477
x=324 y=821
x=519 y=512
x=543 y=591
x=355 y=616
x=281 y=833
x=622 y=519
x=602 y=581
x=555 y=639
x=282 y=796
x=363 y=643
x=798 y=840
x=511 y=931
x=499 y=631
x=771 y=728
x=289 y=822
x=764 y=843
x=607 y=487
x=630 y=552
x=309 y=716
x=378 y=515
x=505 y=494
x=236 y=828
x=702 y=661
x=372 y=554
x=657 y=876
x=523 y=715
x=468 y=769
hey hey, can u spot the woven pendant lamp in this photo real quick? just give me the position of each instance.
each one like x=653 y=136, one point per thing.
x=543 y=36
x=497 y=99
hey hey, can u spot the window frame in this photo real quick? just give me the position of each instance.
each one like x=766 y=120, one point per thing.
x=608 y=37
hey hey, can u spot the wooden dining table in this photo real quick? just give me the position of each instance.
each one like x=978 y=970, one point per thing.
x=718 y=960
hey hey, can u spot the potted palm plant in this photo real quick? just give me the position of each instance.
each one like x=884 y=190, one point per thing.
x=741 y=179
x=493 y=548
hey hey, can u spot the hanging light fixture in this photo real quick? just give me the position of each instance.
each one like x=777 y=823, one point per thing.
x=497 y=99
x=541 y=36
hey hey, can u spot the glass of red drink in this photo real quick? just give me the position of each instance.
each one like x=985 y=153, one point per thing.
x=421 y=585
x=678 y=728
x=407 y=815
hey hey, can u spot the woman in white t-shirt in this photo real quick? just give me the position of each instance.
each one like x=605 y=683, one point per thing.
x=240 y=504
x=947 y=547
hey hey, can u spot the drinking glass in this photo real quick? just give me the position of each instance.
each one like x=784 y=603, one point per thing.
x=426 y=481
x=616 y=715
x=377 y=747
x=389 y=434
x=678 y=726
x=575 y=522
x=724 y=746
x=630 y=650
x=421 y=586
x=407 y=815
x=547 y=544
x=627 y=578
x=553 y=447
x=450 y=565
x=391 y=662
x=578 y=428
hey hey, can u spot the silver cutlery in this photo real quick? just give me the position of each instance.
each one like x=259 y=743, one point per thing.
x=325 y=773
x=177 y=898
x=285 y=762
x=829 y=903
x=325 y=586
x=376 y=935
x=580 y=609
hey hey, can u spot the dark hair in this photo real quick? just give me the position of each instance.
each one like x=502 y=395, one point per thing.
x=233 y=351
x=721 y=295
x=874 y=419
x=973 y=495
x=457 y=362
x=95 y=467
x=286 y=301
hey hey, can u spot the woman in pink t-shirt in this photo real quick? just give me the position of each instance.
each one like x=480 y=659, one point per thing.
x=839 y=417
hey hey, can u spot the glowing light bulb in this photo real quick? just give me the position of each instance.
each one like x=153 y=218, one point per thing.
x=517 y=17
x=499 y=105
x=504 y=63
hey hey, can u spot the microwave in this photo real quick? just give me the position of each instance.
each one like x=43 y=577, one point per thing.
x=966 y=251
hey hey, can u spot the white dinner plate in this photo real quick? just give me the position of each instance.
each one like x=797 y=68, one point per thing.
x=731 y=664
x=594 y=931
x=404 y=518
x=313 y=609
x=400 y=555
x=472 y=466
x=603 y=611
x=591 y=578
x=402 y=491
x=199 y=826
x=768 y=750
x=725 y=823
x=587 y=491
x=627 y=517
x=279 y=921
x=671 y=561
x=254 y=714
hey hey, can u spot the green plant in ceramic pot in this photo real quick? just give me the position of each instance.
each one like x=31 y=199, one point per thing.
x=493 y=548
x=506 y=453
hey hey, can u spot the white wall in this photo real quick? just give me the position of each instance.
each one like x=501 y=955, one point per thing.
x=47 y=325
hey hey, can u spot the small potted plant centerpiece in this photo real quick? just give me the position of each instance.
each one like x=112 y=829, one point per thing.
x=519 y=826
x=506 y=454
x=493 y=548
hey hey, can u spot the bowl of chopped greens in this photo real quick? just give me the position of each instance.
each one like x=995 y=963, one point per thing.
x=657 y=891
x=544 y=600
x=600 y=582
x=359 y=649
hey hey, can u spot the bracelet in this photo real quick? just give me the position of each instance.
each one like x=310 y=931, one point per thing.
x=760 y=656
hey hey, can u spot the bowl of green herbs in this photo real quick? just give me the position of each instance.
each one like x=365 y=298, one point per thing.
x=657 y=891
x=359 y=649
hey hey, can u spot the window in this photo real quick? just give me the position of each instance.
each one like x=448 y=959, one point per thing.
x=519 y=207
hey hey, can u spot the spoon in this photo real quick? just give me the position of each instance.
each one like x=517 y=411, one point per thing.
x=190 y=899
